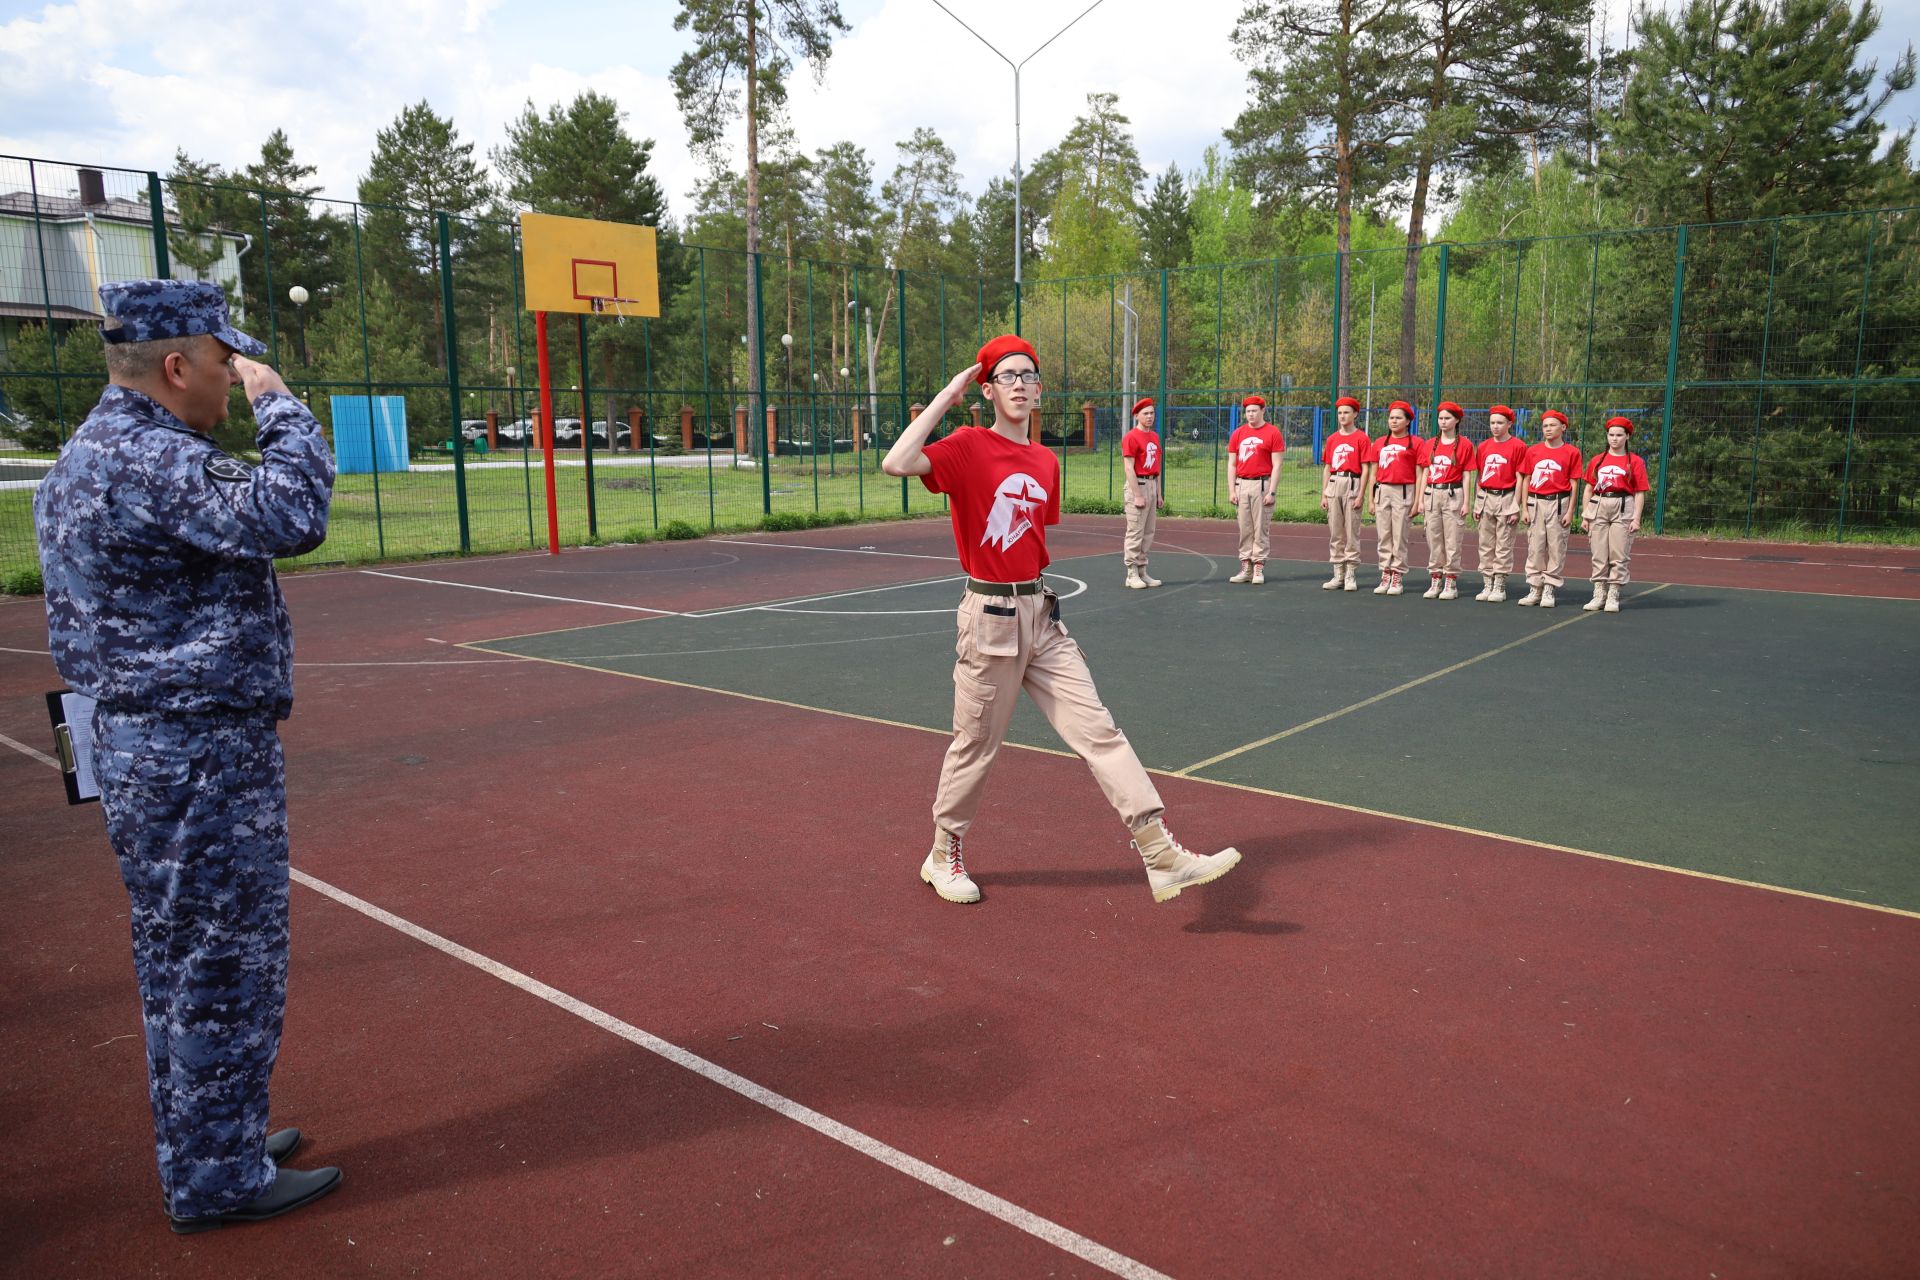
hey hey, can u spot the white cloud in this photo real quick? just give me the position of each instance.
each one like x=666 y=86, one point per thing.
x=126 y=82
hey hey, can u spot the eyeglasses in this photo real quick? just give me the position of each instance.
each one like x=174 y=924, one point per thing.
x=1023 y=377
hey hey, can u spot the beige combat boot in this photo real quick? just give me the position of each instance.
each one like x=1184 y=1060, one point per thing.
x=1452 y=590
x=1613 y=598
x=1260 y=574
x=1245 y=574
x=1434 y=583
x=1171 y=867
x=1546 y=597
x=1499 y=593
x=1337 y=581
x=1148 y=579
x=944 y=870
x=1136 y=580
x=1532 y=597
x=1353 y=578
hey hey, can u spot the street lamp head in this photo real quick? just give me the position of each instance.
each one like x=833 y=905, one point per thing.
x=297 y=295
x=786 y=340
x=843 y=371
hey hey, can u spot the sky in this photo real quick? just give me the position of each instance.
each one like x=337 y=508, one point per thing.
x=127 y=82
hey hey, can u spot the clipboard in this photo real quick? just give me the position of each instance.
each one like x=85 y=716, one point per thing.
x=72 y=715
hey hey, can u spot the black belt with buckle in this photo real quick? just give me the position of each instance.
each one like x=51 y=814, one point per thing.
x=1454 y=485
x=980 y=588
x=1485 y=489
x=1551 y=497
x=1614 y=493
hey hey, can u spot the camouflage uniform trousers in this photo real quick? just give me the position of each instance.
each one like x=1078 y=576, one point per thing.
x=196 y=810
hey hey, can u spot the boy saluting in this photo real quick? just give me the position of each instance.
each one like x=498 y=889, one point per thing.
x=1003 y=490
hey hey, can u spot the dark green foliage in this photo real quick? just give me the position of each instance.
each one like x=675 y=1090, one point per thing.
x=48 y=416
x=21 y=582
x=680 y=531
x=1093 y=506
x=790 y=521
x=1166 y=222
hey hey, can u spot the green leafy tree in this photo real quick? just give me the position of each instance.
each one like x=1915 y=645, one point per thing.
x=748 y=41
x=302 y=245
x=1091 y=222
x=46 y=413
x=1489 y=72
x=1328 y=119
x=579 y=161
x=846 y=221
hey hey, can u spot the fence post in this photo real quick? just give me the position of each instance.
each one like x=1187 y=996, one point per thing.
x=1673 y=370
x=900 y=328
x=366 y=373
x=157 y=210
x=760 y=380
x=1853 y=397
x=1440 y=332
x=586 y=425
x=453 y=380
x=46 y=304
x=1163 y=410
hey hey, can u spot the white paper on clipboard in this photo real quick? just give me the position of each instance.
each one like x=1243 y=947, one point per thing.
x=77 y=709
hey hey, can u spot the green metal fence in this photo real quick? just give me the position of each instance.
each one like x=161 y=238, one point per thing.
x=1764 y=361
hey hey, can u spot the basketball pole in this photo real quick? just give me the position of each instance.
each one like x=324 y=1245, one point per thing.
x=546 y=430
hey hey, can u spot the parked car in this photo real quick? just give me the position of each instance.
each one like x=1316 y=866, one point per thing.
x=566 y=433
x=474 y=428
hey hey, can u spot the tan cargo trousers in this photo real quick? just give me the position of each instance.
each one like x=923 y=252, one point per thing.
x=1446 y=515
x=1342 y=492
x=1256 y=518
x=1007 y=643
x=1547 y=542
x=1496 y=535
x=1141 y=520
x=1612 y=542
x=1391 y=503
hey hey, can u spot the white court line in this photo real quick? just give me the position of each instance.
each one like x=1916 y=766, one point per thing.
x=531 y=595
x=1080 y=589
x=26 y=750
x=772 y=605
x=1013 y=1215
x=985 y=1201
x=38 y=653
x=506 y=660
x=845 y=551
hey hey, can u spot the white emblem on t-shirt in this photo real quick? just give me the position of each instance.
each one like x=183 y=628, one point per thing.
x=1013 y=504
x=1152 y=452
x=1342 y=455
x=1390 y=453
x=1543 y=471
x=1613 y=476
x=1250 y=446
x=1492 y=462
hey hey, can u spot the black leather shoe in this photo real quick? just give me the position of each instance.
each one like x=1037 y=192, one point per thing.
x=292 y=1189
x=282 y=1144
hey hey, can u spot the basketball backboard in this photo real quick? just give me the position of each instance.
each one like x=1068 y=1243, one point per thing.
x=581 y=265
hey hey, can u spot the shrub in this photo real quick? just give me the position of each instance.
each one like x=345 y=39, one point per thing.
x=679 y=531
x=1093 y=506
x=21 y=582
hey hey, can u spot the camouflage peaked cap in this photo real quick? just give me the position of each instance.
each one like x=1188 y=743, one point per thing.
x=152 y=310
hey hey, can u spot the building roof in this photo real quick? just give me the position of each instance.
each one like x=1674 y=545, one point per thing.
x=34 y=311
x=69 y=209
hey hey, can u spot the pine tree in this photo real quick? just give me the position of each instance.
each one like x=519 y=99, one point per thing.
x=1167 y=222
x=1328 y=120
x=302 y=246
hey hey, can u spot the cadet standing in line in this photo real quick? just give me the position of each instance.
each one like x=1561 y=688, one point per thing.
x=1140 y=454
x=1548 y=472
x=157 y=549
x=1343 y=460
x=1616 y=494
x=1496 y=461
x=1441 y=494
x=1255 y=447
x=1389 y=484
x=1003 y=491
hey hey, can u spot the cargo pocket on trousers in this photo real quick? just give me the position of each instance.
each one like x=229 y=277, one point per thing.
x=972 y=699
x=996 y=630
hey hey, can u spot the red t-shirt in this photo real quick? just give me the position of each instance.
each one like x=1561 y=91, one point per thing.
x=1446 y=463
x=1002 y=495
x=1498 y=461
x=1344 y=452
x=1618 y=472
x=1253 y=450
x=1394 y=458
x=1143 y=446
x=1550 y=470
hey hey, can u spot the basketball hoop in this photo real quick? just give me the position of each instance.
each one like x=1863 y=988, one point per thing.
x=601 y=305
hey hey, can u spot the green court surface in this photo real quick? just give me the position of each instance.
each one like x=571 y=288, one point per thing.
x=1765 y=736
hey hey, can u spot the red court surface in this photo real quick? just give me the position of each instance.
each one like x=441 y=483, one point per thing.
x=1374 y=1049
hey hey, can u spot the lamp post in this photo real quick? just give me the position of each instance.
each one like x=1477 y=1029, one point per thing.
x=1017 y=237
x=298 y=296
x=866 y=332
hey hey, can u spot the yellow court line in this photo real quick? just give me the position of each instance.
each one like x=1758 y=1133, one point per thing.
x=1264 y=791
x=1548 y=845
x=1402 y=688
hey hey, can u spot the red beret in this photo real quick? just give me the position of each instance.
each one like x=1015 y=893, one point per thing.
x=1618 y=421
x=1503 y=411
x=1145 y=402
x=1007 y=344
x=1448 y=406
x=1347 y=402
x=1259 y=400
x=1556 y=415
x=1402 y=406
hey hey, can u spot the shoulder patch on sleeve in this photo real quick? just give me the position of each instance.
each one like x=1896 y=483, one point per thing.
x=222 y=467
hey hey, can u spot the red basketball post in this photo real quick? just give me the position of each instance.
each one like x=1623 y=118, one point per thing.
x=546 y=430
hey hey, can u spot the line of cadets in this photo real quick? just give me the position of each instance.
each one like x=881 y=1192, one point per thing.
x=1401 y=476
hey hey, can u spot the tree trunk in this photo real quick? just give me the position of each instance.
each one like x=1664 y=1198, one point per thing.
x=1343 y=246
x=757 y=394
x=1410 y=278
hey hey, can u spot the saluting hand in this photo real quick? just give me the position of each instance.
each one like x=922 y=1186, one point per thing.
x=257 y=379
x=958 y=387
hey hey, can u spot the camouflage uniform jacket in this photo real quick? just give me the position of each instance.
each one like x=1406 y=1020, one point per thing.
x=157 y=550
